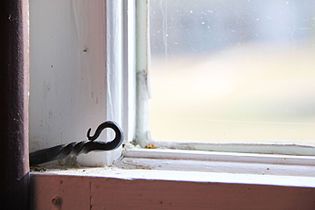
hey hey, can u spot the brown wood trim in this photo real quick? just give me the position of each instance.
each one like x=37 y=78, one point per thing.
x=86 y=192
x=14 y=86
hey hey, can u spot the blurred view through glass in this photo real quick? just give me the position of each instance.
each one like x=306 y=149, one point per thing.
x=240 y=71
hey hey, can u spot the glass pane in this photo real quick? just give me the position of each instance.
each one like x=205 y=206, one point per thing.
x=240 y=71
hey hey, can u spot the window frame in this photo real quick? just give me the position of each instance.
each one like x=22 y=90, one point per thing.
x=123 y=87
x=142 y=132
x=148 y=188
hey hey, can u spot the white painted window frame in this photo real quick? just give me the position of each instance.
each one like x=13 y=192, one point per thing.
x=142 y=129
x=121 y=80
x=258 y=158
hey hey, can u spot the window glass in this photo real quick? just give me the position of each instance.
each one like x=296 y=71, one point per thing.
x=238 y=71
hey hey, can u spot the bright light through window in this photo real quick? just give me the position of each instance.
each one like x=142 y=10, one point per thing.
x=240 y=71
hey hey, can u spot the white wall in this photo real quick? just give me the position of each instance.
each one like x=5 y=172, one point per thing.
x=67 y=65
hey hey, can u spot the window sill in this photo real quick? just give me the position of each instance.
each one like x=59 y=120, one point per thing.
x=184 y=176
x=200 y=166
x=83 y=189
x=155 y=183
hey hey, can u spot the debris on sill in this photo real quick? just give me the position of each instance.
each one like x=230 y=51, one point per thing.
x=38 y=169
x=129 y=165
x=69 y=162
x=150 y=146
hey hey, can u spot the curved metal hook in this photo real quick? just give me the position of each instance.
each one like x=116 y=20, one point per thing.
x=100 y=145
x=100 y=128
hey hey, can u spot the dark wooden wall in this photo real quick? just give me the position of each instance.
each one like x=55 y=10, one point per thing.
x=14 y=71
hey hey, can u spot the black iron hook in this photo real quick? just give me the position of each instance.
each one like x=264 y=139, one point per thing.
x=76 y=148
x=100 y=128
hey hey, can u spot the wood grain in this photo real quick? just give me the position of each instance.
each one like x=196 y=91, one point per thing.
x=95 y=193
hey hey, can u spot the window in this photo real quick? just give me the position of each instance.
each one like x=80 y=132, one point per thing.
x=78 y=79
x=92 y=78
x=228 y=73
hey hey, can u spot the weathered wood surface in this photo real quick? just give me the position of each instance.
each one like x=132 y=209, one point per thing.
x=82 y=193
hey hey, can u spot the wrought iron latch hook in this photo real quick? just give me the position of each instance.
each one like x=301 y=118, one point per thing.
x=76 y=148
